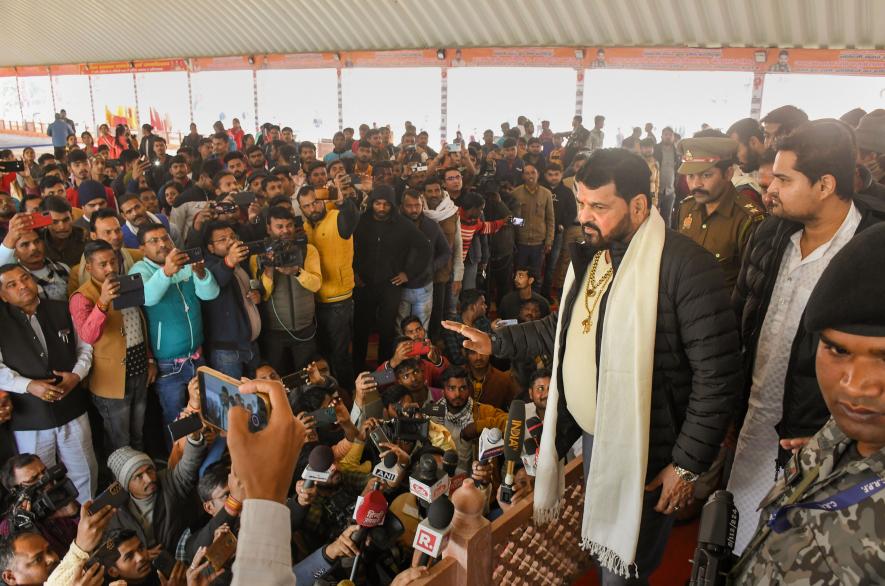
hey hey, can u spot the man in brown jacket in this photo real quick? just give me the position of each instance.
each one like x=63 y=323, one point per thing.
x=122 y=367
x=534 y=237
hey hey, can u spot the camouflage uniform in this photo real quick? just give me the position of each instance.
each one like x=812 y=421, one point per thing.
x=844 y=547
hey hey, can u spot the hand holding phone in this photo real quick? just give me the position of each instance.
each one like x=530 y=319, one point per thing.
x=114 y=495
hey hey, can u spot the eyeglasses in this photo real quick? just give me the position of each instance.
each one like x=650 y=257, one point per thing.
x=158 y=239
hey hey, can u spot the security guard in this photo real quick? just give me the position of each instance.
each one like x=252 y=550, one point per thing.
x=714 y=214
x=822 y=523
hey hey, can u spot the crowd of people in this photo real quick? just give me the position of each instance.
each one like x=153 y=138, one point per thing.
x=699 y=313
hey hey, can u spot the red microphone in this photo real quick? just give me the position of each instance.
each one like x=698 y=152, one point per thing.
x=370 y=513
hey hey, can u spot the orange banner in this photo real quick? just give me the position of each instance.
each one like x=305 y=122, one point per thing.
x=826 y=61
x=221 y=63
x=516 y=57
x=32 y=71
x=671 y=58
x=300 y=61
x=415 y=58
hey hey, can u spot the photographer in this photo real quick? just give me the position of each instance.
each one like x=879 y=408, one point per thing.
x=290 y=275
x=122 y=364
x=233 y=322
x=20 y=476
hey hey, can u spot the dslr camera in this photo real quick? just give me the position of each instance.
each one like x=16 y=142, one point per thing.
x=279 y=253
x=411 y=423
x=52 y=491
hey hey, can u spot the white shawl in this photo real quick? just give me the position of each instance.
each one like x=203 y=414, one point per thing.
x=616 y=480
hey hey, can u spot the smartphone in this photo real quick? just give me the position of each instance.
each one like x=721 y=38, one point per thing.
x=114 y=495
x=12 y=166
x=106 y=554
x=324 y=417
x=131 y=293
x=40 y=220
x=219 y=392
x=194 y=255
x=164 y=563
x=420 y=348
x=384 y=377
x=321 y=193
x=378 y=437
x=454 y=147
x=244 y=198
x=517 y=221
x=185 y=426
x=221 y=550
x=258 y=246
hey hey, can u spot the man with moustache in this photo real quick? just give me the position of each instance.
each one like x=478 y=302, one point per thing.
x=646 y=369
x=714 y=214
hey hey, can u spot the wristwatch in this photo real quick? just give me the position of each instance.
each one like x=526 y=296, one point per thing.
x=686 y=475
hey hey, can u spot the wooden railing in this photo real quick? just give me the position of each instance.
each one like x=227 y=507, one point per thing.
x=512 y=550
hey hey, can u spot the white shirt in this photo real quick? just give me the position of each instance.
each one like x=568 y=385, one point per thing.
x=753 y=472
x=12 y=381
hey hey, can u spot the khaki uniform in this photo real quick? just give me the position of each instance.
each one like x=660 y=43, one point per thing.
x=821 y=547
x=725 y=232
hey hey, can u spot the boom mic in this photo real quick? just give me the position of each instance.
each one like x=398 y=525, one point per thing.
x=319 y=465
x=713 y=556
x=513 y=437
x=433 y=532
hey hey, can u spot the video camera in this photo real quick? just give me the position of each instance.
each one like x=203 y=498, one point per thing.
x=52 y=491
x=411 y=423
x=278 y=252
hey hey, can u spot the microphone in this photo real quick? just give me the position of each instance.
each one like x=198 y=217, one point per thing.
x=428 y=482
x=532 y=444
x=370 y=513
x=450 y=462
x=432 y=534
x=491 y=444
x=713 y=556
x=513 y=437
x=387 y=469
x=319 y=465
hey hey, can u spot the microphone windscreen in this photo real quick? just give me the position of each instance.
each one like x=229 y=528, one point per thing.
x=321 y=458
x=390 y=460
x=372 y=509
x=440 y=512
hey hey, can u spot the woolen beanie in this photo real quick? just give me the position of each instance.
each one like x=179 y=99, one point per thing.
x=124 y=462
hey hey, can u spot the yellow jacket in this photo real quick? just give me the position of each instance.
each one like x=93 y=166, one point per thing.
x=336 y=258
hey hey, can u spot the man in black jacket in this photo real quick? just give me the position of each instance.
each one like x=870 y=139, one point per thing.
x=232 y=320
x=813 y=215
x=695 y=374
x=388 y=251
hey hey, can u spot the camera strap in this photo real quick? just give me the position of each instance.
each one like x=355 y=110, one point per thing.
x=843 y=499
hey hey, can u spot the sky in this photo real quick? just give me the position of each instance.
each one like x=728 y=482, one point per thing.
x=478 y=98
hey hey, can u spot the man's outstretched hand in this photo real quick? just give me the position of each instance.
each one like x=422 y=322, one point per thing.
x=264 y=461
x=477 y=340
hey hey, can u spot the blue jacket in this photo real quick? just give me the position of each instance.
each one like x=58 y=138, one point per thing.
x=227 y=324
x=59 y=131
x=172 y=306
x=130 y=238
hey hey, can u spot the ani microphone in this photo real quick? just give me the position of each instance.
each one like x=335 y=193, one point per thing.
x=513 y=437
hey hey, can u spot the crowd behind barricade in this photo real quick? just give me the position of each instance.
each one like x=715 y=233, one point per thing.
x=399 y=311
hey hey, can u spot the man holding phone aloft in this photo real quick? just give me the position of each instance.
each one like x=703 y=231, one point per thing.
x=122 y=366
x=173 y=289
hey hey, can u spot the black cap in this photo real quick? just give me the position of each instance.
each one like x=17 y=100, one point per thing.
x=848 y=296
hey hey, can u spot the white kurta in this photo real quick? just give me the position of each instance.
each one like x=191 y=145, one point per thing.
x=753 y=472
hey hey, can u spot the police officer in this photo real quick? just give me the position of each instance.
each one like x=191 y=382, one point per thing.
x=822 y=521
x=714 y=214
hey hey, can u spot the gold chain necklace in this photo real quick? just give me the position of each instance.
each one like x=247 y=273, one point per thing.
x=595 y=290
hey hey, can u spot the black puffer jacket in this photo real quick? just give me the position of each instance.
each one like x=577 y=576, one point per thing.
x=804 y=410
x=697 y=371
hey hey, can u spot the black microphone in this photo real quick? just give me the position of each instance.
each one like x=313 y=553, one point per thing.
x=450 y=462
x=432 y=533
x=318 y=464
x=713 y=557
x=513 y=435
x=534 y=426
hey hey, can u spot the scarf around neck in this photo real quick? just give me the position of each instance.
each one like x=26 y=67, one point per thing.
x=445 y=210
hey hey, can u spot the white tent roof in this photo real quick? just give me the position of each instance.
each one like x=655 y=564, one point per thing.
x=80 y=31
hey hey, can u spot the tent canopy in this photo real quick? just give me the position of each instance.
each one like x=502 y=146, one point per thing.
x=92 y=31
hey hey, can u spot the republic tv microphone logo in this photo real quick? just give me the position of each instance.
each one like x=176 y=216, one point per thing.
x=425 y=541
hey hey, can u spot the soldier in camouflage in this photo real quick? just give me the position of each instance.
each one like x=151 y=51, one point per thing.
x=824 y=521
